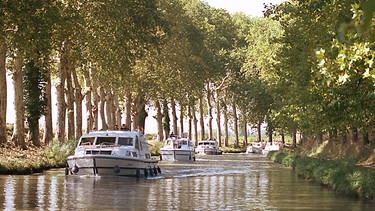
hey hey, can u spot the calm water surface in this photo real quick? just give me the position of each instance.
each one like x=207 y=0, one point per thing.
x=221 y=182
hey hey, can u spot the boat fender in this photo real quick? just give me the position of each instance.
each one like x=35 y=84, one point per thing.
x=116 y=169
x=189 y=157
x=161 y=157
x=151 y=172
x=159 y=170
x=155 y=171
x=75 y=169
x=145 y=172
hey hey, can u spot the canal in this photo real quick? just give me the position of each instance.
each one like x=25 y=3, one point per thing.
x=221 y=182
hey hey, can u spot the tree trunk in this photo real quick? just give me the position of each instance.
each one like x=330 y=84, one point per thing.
x=70 y=102
x=166 y=122
x=259 y=129
x=109 y=110
x=174 y=116
x=117 y=112
x=354 y=132
x=159 y=121
x=201 y=118
x=60 y=93
x=128 y=110
x=218 y=118
x=95 y=108
x=78 y=98
x=48 y=130
x=245 y=135
x=235 y=120
x=34 y=135
x=190 y=121
x=209 y=108
x=89 y=109
x=18 y=136
x=195 y=124
x=294 y=139
x=3 y=93
x=226 y=130
x=182 y=111
x=102 y=108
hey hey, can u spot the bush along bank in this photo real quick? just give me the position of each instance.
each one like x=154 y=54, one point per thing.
x=342 y=176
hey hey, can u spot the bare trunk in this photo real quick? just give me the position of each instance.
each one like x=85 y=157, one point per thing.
x=89 y=109
x=48 y=130
x=259 y=129
x=245 y=135
x=109 y=110
x=201 y=118
x=70 y=102
x=182 y=119
x=3 y=93
x=226 y=130
x=195 y=124
x=159 y=121
x=218 y=118
x=128 y=109
x=78 y=102
x=235 y=120
x=18 y=136
x=209 y=108
x=60 y=93
x=102 y=108
x=294 y=137
x=117 y=111
x=174 y=116
x=190 y=120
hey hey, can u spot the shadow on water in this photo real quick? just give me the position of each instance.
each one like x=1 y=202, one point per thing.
x=221 y=182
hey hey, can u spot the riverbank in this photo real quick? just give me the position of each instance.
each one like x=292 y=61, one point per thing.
x=345 y=168
x=14 y=160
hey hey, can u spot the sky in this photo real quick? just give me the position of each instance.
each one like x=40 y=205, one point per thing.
x=253 y=8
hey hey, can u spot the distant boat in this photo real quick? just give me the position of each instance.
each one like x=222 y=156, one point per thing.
x=114 y=153
x=255 y=147
x=272 y=146
x=207 y=147
x=177 y=149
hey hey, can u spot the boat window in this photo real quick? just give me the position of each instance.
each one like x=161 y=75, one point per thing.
x=134 y=154
x=105 y=140
x=184 y=142
x=87 y=141
x=125 y=141
x=148 y=156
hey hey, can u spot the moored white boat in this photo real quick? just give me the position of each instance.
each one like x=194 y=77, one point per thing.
x=177 y=149
x=272 y=146
x=113 y=153
x=255 y=147
x=208 y=147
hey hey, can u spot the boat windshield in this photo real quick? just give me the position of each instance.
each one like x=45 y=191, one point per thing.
x=125 y=141
x=105 y=140
x=87 y=141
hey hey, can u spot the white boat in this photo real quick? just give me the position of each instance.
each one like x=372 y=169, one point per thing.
x=114 y=153
x=255 y=147
x=208 y=147
x=272 y=146
x=177 y=149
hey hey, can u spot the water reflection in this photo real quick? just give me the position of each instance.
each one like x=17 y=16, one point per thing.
x=225 y=182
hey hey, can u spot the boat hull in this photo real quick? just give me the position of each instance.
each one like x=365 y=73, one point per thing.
x=208 y=151
x=111 y=166
x=177 y=155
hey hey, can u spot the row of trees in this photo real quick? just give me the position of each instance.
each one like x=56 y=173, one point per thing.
x=303 y=67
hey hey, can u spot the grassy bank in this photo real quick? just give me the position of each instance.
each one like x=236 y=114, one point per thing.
x=14 y=160
x=342 y=176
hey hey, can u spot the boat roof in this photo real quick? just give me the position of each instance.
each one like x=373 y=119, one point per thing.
x=113 y=133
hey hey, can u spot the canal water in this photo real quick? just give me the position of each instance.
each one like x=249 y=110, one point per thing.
x=218 y=182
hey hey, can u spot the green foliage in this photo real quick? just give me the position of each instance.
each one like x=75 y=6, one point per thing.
x=34 y=94
x=56 y=152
